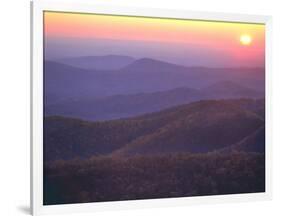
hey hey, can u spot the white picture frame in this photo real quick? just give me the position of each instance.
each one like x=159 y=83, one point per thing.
x=37 y=9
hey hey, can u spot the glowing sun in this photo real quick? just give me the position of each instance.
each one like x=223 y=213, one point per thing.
x=245 y=39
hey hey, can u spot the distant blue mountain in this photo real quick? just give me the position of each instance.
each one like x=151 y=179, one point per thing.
x=122 y=106
x=229 y=89
x=64 y=82
x=107 y=62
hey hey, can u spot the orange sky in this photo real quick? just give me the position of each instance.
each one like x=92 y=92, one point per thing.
x=212 y=35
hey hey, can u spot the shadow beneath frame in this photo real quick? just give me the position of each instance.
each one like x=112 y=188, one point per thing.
x=24 y=209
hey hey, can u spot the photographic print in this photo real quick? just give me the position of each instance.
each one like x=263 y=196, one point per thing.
x=146 y=107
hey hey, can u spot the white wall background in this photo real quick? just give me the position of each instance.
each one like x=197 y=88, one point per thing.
x=14 y=106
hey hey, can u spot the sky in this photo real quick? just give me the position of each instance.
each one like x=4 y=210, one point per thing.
x=185 y=42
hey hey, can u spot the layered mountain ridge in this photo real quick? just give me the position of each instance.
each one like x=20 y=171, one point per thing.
x=197 y=128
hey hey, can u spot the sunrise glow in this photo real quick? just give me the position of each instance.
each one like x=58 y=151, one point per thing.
x=217 y=39
x=246 y=39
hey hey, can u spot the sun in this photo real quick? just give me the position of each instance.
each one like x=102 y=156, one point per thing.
x=245 y=39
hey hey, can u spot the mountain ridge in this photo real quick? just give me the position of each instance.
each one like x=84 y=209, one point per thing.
x=105 y=62
x=121 y=106
x=197 y=127
x=67 y=82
